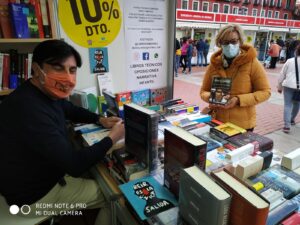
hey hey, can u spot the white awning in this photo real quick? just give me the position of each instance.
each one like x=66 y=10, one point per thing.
x=283 y=29
x=245 y=27
x=198 y=25
x=294 y=30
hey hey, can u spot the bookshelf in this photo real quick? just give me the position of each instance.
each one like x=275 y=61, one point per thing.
x=25 y=46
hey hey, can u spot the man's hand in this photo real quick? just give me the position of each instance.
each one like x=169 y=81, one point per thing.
x=109 y=122
x=117 y=132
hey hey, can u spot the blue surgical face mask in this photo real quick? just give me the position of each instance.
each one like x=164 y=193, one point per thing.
x=230 y=50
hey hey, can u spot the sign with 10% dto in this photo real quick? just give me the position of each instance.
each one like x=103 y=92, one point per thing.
x=90 y=23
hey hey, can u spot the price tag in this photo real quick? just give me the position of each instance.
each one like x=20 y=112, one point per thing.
x=90 y=23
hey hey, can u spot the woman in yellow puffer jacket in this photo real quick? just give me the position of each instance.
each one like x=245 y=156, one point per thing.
x=249 y=83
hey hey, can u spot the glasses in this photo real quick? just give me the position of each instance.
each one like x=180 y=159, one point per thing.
x=227 y=42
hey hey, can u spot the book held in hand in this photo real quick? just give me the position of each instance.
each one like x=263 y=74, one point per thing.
x=219 y=89
x=148 y=197
x=202 y=201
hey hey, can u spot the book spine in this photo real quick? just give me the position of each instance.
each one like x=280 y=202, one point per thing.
x=224 y=212
x=38 y=14
x=19 y=20
x=45 y=19
x=5 y=21
x=152 y=145
x=6 y=68
x=1 y=69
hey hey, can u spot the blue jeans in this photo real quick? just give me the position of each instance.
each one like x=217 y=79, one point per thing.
x=189 y=64
x=291 y=108
x=177 y=63
x=200 y=58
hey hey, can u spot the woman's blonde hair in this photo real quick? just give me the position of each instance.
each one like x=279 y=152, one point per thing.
x=224 y=31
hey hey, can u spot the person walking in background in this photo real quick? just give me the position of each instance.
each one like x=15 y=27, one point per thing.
x=177 y=56
x=189 y=55
x=205 y=52
x=287 y=85
x=200 y=52
x=274 y=51
x=249 y=83
x=183 y=57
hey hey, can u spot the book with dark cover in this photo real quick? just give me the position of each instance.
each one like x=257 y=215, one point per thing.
x=147 y=197
x=112 y=106
x=278 y=178
x=168 y=217
x=141 y=133
x=158 y=95
x=219 y=89
x=247 y=207
x=19 y=14
x=284 y=210
x=182 y=150
x=202 y=201
x=263 y=143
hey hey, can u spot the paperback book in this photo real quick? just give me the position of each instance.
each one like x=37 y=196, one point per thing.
x=147 y=197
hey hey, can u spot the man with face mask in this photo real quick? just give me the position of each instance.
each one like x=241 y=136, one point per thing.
x=38 y=163
x=249 y=87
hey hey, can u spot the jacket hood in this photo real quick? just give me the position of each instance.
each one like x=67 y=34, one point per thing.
x=248 y=53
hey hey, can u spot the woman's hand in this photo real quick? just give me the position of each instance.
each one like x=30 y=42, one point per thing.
x=232 y=102
x=117 y=132
x=109 y=122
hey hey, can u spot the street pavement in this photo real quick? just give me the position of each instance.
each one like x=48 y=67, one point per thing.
x=269 y=113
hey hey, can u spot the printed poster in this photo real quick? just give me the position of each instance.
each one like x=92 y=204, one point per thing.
x=145 y=36
x=98 y=60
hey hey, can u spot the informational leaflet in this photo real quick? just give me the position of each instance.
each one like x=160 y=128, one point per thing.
x=145 y=43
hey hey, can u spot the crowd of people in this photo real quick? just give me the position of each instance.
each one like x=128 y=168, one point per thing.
x=186 y=49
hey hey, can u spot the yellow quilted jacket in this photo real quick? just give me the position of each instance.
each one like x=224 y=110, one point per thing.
x=249 y=84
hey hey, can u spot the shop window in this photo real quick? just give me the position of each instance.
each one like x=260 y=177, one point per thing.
x=269 y=14
x=184 y=4
x=205 y=6
x=254 y=12
x=226 y=9
x=235 y=10
x=216 y=7
x=195 y=5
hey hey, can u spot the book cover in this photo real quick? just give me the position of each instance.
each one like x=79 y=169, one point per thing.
x=282 y=211
x=201 y=199
x=141 y=134
x=219 y=89
x=148 y=197
x=182 y=150
x=5 y=21
x=123 y=98
x=19 y=14
x=211 y=143
x=158 y=95
x=227 y=130
x=112 y=106
x=141 y=97
x=278 y=178
x=263 y=143
x=247 y=207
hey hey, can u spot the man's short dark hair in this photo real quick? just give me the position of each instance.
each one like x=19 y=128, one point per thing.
x=53 y=52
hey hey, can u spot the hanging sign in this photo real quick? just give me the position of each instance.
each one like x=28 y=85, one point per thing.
x=90 y=23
